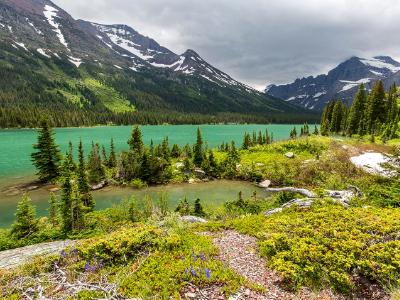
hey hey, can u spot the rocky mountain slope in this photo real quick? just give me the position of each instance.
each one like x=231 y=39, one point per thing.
x=340 y=83
x=50 y=62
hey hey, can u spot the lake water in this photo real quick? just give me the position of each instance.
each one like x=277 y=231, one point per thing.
x=16 y=167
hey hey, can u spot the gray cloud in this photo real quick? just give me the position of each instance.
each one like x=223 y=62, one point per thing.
x=258 y=41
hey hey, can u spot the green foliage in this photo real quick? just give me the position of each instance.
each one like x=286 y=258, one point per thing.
x=326 y=245
x=83 y=182
x=198 y=151
x=25 y=219
x=47 y=158
x=198 y=209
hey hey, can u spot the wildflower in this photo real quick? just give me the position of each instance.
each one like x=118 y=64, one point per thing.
x=193 y=272
x=88 y=267
x=202 y=257
x=183 y=257
x=194 y=257
x=208 y=273
x=63 y=254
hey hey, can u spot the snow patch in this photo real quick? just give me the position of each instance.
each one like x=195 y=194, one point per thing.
x=372 y=163
x=352 y=84
x=380 y=64
x=128 y=46
x=32 y=25
x=2 y=25
x=376 y=73
x=22 y=45
x=42 y=52
x=118 y=67
x=10 y=28
x=76 y=61
x=51 y=13
x=317 y=95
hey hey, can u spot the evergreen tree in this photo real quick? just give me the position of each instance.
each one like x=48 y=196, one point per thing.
x=183 y=207
x=187 y=151
x=25 y=219
x=83 y=184
x=198 y=209
x=53 y=209
x=66 y=203
x=95 y=168
x=198 y=154
x=77 y=208
x=214 y=168
x=316 y=131
x=175 y=152
x=246 y=141
x=135 y=142
x=337 y=117
x=112 y=160
x=356 y=114
x=47 y=158
x=68 y=163
x=165 y=149
x=104 y=155
x=375 y=111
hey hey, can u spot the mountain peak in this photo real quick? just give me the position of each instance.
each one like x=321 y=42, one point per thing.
x=341 y=82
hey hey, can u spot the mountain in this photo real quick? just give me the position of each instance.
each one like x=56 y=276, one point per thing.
x=340 y=83
x=83 y=73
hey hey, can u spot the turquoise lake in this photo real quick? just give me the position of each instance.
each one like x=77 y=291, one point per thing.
x=16 y=167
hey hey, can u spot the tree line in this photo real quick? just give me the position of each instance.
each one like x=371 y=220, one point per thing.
x=374 y=113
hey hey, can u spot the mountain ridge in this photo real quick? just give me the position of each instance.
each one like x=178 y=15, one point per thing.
x=314 y=92
x=77 y=65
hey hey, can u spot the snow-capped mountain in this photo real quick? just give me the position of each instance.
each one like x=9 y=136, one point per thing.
x=130 y=43
x=341 y=82
x=76 y=62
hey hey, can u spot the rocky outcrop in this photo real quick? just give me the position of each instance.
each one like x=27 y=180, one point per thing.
x=193 y=219
x=343 y=197
x=13 y=258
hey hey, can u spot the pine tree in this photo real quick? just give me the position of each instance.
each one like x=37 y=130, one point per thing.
x=83 y=184
x=95 y=168
x=112 y=160
x=198 y=209
x=25 y=219
x=198 y=150
x=214 y=168
x=77 y=208
x=66 y=205
x=47 y=158
x=68 y=163
x=104 y=154
x=53 y=209
x=183 y=208
x=356 y=114
x=316 y=131
x=175 y=152
x=375 y=111
x=165 y=149
x=246 y=141
x=337 y=116
x=135 y=142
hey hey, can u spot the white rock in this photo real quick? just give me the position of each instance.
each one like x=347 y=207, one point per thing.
x=289 y=155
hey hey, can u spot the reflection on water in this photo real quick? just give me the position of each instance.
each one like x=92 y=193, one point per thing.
x=211 y=194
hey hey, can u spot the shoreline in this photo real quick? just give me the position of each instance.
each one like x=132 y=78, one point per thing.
x=166 y=124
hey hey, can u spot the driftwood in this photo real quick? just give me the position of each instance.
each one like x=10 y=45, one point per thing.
x=304 y=192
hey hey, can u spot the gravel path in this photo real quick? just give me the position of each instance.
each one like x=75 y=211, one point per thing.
x=13 y=258
x=240 y=253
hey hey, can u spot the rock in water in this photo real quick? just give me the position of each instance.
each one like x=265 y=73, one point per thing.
x=265 y=184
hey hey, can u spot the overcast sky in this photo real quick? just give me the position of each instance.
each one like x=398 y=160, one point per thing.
x=258 y=41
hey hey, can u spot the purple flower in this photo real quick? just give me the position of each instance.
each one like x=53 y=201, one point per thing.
x=202 y=257
x=74 y=251
x=187 y=270
x=88 y=267
x=183 y=258
x=208 y=273
x=63 y=254
x=193 y=272
x=194 y=257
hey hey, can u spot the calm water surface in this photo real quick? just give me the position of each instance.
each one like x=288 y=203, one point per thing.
x=16 y=167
